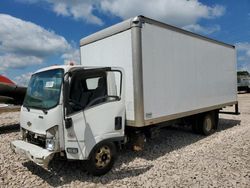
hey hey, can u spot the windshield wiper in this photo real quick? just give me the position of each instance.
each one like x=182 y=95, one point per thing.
x=37 y=107
x=44 y=111
x=27 y=108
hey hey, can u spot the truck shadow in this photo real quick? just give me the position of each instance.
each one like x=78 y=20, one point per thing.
x=65 y=172
x=168 y=140
x=9 y=128
x=227 y=123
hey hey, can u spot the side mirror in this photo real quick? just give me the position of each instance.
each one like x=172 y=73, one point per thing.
x=66 y=92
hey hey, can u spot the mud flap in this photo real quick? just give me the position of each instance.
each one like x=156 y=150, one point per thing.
x=32 y=152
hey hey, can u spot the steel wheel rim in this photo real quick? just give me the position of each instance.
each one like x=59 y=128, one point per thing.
x=102 y=157
x=208 y=124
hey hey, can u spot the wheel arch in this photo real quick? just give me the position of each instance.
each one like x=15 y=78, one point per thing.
x=116 y=141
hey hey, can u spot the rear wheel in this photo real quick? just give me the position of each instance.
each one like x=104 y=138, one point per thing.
x=102 y=158
x=207 y=123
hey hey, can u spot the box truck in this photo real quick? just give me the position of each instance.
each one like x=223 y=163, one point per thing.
x=243 y=81
x=134 y=76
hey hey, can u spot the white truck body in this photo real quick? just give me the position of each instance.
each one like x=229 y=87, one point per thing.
x=170 y=73
x=133 y=75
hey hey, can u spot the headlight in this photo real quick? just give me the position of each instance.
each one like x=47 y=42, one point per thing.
x=50 y=144
x=23 y=134
x=51 y=138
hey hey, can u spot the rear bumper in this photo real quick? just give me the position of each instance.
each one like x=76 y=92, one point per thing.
x=32 y=152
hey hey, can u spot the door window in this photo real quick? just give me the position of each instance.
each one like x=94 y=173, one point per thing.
x=92 y=83
x=90 y=88
x=87 y=90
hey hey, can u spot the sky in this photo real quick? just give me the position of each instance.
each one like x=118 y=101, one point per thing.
x=40 y=33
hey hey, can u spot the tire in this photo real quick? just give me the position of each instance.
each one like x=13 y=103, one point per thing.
x=207 y=123
x=102 y=158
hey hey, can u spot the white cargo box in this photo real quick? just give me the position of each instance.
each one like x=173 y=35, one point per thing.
x=169 y=72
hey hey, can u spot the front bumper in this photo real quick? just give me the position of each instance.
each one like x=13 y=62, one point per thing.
x=32 y=152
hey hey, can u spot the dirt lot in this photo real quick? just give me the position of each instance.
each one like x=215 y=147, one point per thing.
x=177 y=157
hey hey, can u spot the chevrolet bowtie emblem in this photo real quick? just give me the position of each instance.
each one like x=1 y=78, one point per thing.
x=29 y=123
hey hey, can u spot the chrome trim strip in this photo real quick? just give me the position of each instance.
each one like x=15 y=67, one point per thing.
x=188 y=113
x=137 y=72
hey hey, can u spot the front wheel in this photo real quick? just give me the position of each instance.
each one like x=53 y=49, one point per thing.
x=102 y=158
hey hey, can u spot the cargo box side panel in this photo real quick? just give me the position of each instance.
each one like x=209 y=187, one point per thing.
x=182 y=73
x=113 y=51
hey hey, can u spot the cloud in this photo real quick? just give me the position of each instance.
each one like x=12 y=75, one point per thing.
x=202 y=30
x=24 y=43
x=72 y=55
x=79 y=10
x=12 y=61
x=23 y=79
x=216 y=11
x=177 y=12
x=243 y=52
x=243 y=66
x=244 y=47
x=19 y=36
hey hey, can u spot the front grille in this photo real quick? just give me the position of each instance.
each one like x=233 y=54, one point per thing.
x=37 y=140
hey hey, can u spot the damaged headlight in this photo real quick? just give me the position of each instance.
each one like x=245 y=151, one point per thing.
x=51 y=138
x=50 y=144
x=23 y=134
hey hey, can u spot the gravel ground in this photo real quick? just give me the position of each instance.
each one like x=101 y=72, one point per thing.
x=176 y=158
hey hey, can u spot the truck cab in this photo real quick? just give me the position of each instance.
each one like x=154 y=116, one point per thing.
x=73 y=111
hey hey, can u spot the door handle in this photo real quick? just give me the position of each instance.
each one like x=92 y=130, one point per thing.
x=118 y=123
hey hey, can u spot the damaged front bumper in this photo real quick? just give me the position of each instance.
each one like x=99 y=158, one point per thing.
x=32 y=152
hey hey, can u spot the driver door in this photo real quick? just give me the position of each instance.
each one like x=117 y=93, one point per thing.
x=97 y=112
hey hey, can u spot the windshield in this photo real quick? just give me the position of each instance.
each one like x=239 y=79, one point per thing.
x=44 y=89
